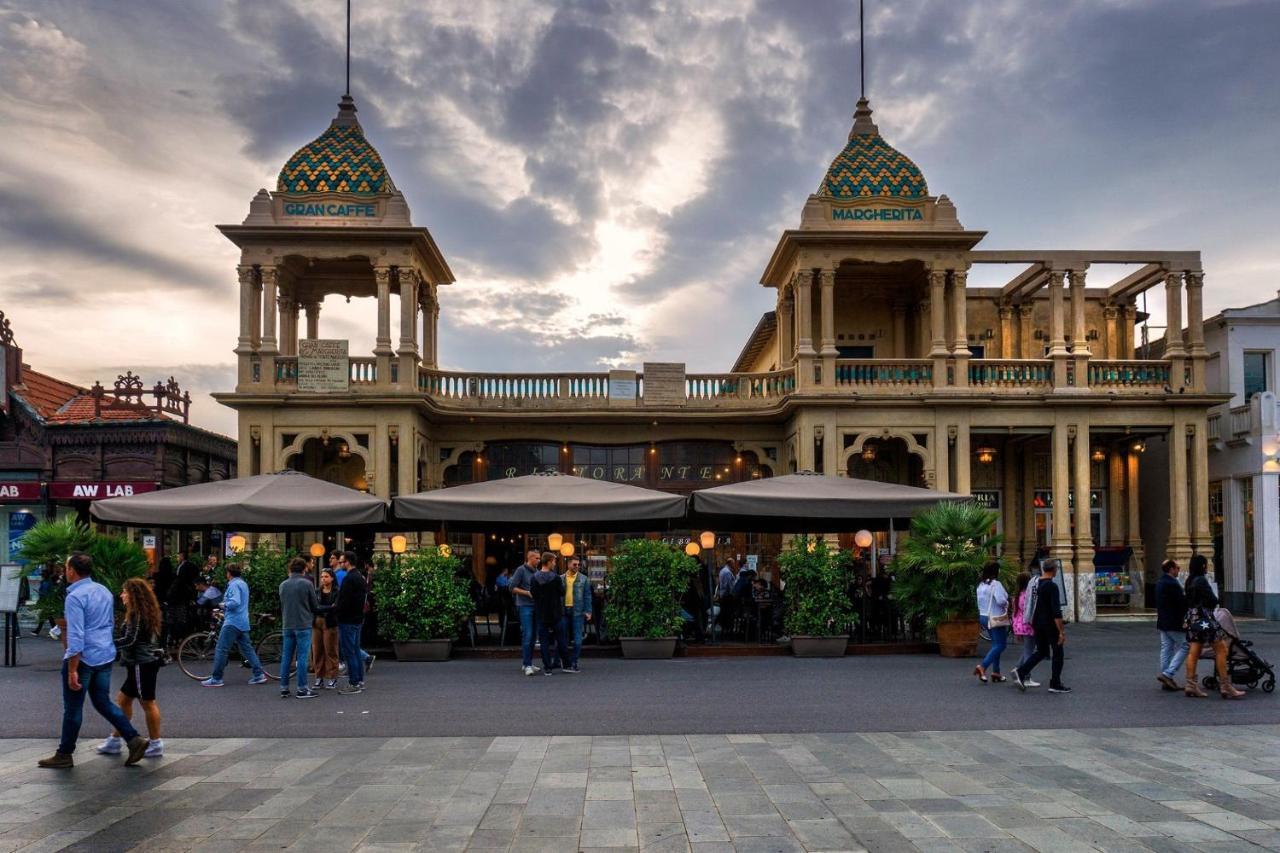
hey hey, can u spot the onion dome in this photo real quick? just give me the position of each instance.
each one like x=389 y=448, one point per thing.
x=869 y=167
x=340 y=160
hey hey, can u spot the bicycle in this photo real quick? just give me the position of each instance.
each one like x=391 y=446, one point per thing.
x=196 y=651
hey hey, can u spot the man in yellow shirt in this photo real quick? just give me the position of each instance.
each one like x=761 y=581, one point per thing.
x=577 y=610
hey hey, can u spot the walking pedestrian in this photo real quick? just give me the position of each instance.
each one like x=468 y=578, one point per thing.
x=140 y=655
x=235 y=630
x=1171 y=610
x=1023 y=599
x=350 y=564
x=577 y=611
x=521 y=579
x=86 y=664
x=548 y=590
x=324 y=633
x=48 y=583
x=298 y=606
x=1050 y=631
x=996 y=621
x=350 y=615
x=1202 y=627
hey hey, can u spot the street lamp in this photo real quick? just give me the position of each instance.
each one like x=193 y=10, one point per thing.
x=237 y=543
x=692 y=548
x=398 y=544
x=554 y=541
x=863 y=539
x=707 y=540
x=566 y=549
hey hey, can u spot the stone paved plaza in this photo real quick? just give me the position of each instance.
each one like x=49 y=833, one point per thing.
x=1165 y=789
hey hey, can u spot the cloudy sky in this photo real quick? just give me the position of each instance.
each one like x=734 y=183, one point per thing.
x=606 y=177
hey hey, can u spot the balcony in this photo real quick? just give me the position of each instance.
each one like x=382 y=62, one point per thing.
x=887 y=378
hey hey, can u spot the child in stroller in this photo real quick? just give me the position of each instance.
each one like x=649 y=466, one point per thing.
x=1243 y=664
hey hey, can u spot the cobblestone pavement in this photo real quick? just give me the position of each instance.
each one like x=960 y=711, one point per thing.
x=1209 y=788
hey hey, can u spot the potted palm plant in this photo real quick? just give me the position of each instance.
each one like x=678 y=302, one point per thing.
x=936 y=572
x=49 y=543
x=646 y=580
x=819 y=609
x=422 y=602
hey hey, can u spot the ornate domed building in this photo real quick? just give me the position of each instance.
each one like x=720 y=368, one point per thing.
x=869 y=167
x=340 y=160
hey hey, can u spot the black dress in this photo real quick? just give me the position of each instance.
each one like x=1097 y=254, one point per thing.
x=1200 y=625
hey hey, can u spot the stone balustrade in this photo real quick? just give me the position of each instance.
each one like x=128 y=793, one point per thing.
x=1014 y=375
x=1127 y=376
x=871 y=376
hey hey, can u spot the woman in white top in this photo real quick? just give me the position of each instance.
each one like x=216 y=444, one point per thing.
x=993 y=613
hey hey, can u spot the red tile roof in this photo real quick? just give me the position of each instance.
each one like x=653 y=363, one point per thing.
x=59 y=402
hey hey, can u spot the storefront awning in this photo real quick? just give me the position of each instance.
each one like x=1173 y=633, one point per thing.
x=810 y=503
x=288 y=500
x=540 y=502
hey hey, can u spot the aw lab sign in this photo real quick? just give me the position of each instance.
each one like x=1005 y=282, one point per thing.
x=92 y=491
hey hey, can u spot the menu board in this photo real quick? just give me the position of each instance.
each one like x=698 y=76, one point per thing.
x=10 y=583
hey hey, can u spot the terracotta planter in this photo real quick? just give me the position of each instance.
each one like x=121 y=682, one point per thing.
x=826 y=646
x=640 y=648
x=958 y=639
x=417 y=651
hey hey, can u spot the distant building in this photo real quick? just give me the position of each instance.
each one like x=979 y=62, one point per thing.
x=63 y=446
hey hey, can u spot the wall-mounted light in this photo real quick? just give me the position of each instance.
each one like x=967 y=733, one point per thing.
x=1092 y=335
x=1138 y=446
x=399 y=543
x=868 y=453
x=554 y=541
x=986 y=455
x=1098 y=455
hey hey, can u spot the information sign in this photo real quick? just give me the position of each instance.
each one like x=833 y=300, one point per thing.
x=10 y=582
x=323 y=365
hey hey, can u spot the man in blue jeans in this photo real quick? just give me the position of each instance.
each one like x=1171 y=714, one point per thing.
x=1171 y=609
x=521 y=579
x=298 y=606
x=87 y=661
x=349 y=611
x=577 y=611
x=235 y=630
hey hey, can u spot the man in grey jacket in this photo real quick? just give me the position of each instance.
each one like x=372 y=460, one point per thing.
x=298 y=606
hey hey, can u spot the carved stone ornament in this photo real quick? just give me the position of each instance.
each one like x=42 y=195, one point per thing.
x=6 y=331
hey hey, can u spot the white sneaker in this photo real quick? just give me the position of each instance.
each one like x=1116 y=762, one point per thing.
x=1030 y=683
x=528 y=670
x=111 y=746
x=155 y=749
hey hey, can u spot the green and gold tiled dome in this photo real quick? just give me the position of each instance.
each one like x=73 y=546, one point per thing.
x=340 y=160
x=869 y=167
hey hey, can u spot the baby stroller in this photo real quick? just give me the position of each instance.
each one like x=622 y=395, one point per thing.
x=1243 y=664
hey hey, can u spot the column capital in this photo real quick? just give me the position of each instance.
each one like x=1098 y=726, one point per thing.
x=270 y=275
x=1193 y=278
x=247 y=274
x=803 y=278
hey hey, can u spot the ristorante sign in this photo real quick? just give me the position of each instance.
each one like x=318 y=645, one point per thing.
x=92 y=491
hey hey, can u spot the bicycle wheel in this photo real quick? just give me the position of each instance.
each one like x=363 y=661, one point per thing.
x=269 y=651
x=195 y=655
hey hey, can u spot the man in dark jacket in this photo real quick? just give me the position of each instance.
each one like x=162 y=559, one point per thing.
x=350 y=614
x=547 y=589
x=1050 y=631
x=1171 y=609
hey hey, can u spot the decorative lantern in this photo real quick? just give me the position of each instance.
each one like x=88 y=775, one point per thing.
x=398 y=543
x=554 y=541
x=566 y=549
x=316 y=550
x=863 y=539
x=707 y=540
x=986 y=455
x=868 y=452
x=691 y=548
x=1098 y=455
x=237 y=543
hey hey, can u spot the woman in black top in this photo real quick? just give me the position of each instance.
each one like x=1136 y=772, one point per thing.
x=1203 y=628
x=324 y=633
x=139 y=647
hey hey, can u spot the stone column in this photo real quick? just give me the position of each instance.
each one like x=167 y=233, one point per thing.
x=1266 y=546
x=382 y=344
x=827 y=280
x=899 y=330
x=1026 y=506
x=313 y=319
x=804 y=317
x=1010 y=509
x=786 y=327
x=941 y=458
x=1079 y=333
x=288 y=325
x=270 y=284
x=1179 y=547
x=964 y=459
x=1195 y=328
x=1174 y=350
x=1026 y=341
x=427 y=300
x=937 y=313
x=1005 y=312
x=245 y=343
x=1201 y=541
x=1115 y=498
x=255 y=306
x=960 y=326
x=408 y=350
x=1082 y=585
x=1057 y=340
x=1113 y=345
x=1060 y=468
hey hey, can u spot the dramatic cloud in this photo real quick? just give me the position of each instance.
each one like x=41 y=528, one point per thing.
x=607 y=178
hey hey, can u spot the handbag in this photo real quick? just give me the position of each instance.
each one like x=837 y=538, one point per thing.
x=1001 y=621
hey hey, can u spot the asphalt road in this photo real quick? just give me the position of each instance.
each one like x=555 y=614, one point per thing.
x=1110 y=665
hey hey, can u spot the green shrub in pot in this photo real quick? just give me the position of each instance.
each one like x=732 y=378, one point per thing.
x=817 y=588
x=421 y=596
x=646 y=579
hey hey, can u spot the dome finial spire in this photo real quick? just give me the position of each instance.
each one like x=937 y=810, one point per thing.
x=347 y=90
x=862 y=123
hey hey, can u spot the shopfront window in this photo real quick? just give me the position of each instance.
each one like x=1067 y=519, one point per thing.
x=615 y=464
x=1255 y=373
x=695 y=464
x=517 y=459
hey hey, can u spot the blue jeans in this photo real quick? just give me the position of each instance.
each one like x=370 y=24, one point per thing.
x=95 y=681
x=999 y=639
x=548 y=634
x=1173 y=651
x=297 y=642
x=527 y=633
x=573 y=625
x=349 y=648
x=230 y=636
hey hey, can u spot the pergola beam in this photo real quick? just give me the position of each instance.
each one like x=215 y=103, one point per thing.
x=1137 y=281
x=1025 y=283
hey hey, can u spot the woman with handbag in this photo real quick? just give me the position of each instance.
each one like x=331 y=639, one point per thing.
x=1202 y=627
x=140 y=655
x=993 y=613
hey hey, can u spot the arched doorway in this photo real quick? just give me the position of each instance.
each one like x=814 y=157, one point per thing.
x=333 y=461
x=887 y=460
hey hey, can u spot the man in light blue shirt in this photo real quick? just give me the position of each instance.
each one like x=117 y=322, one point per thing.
x=235 y=631
x=87 y=662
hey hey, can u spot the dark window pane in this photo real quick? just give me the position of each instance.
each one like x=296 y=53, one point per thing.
x=1255 y=373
